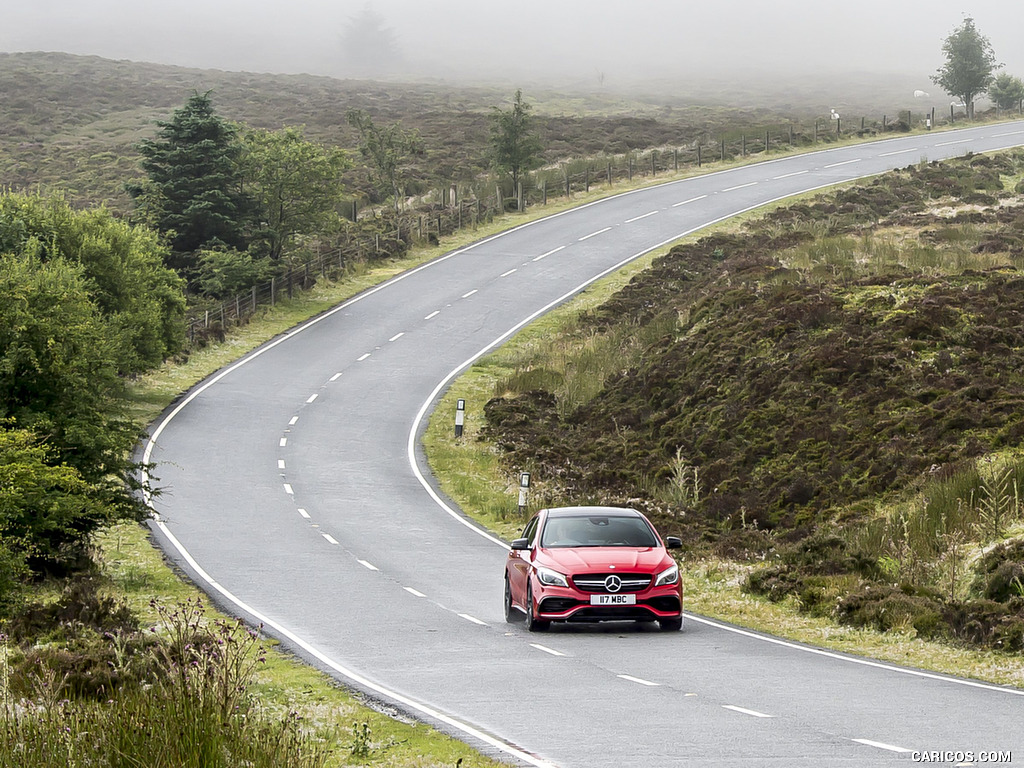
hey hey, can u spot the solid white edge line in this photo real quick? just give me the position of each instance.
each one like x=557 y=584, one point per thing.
x=740 y=186
x=881 y=745
x=639 y=680
x=415 y=592
x=544 y=648
x=198 y=390
x=637 y=218
x=545 y=255
x=687 y=202
x=854 y=659
x=593 y=234
x=329 y=538
x=368 y=565
x=743 y=711
x=350 y=675
x=473 y=619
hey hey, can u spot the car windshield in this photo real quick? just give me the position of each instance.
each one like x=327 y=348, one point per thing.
x=597 y=531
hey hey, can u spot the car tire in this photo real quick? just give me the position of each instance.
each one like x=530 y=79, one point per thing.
x=532 y=622
x=671 y=625
x=512 y=614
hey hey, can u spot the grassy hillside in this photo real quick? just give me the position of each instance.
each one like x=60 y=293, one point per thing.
x=70 y=123
x=836 y=390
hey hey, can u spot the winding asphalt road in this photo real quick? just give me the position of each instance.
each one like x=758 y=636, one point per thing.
x=297 y=496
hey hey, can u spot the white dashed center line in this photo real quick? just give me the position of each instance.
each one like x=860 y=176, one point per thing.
x=1011 y=133
x=304 y=513
x=687 y=202
x=637 y=218
x=552 y=651
x=880 y=745
x=415 y=592
x=639 y=680
x=740 y=186
x=360 y=359
x=397 y=336
x=335 y=377
x=947 y=143
x=506 y=274
x=845 y=162
x=433 y=314
x=593 y=234
x=743 y=711
x=288 y=489
x=545 y=255
x=330 y=539
x=475 y=620
x=280 y=463
x=898 y=152
x=312 y=397
x=294 y=421
x=371 y=566
x=788 y=175
x=284 y=441
x=467 y=295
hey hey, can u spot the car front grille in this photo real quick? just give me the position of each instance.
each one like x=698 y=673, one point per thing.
x=597 y=582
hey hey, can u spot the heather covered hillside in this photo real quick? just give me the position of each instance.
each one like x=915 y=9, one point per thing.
x=836 y=365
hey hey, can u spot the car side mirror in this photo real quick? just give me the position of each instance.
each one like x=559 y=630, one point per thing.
x=522 y=544
x=673 y=542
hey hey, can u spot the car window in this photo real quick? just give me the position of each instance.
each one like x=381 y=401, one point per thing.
x=597 y=531
x=530 y=531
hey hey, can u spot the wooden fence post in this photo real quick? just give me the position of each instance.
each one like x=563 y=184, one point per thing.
x=698 y=154
x=723 y=149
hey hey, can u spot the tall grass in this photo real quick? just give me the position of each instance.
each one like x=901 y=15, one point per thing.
x=187 y=706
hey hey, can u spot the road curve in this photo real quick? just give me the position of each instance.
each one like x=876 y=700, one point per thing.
x=296 y=495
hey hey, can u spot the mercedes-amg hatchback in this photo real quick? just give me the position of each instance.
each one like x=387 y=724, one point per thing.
x=588 y=564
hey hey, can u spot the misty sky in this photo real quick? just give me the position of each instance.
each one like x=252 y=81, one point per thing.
x=571 y=40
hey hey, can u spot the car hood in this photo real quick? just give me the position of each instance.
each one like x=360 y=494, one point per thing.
x=598 y=559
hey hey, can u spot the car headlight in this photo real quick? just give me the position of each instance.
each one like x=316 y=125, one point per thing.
x=668 y=576
x=551 y=578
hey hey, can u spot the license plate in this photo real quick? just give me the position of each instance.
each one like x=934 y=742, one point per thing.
x=613 y=599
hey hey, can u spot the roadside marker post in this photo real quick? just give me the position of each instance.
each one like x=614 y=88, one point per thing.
x=460 y=417
x=524 y=486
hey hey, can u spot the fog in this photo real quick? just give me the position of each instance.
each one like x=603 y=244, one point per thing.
x=583 y=42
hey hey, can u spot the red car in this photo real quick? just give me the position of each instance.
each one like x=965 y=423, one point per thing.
x=588 y=564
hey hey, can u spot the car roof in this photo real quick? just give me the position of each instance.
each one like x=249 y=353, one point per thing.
x=591 y=511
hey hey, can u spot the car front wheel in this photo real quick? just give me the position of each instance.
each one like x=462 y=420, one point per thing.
x=512 y=615
x=532 y=622
x=671 y=625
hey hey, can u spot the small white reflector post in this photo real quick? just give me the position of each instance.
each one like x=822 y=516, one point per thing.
x=460 y=417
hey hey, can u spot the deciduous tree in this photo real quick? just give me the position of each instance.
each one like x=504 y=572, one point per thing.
x=1007 y=91
x=515 y=148
x=970 y=64
x=386 y=149
x=295 y=185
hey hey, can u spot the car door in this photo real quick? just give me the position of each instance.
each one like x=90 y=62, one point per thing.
x=519 y=563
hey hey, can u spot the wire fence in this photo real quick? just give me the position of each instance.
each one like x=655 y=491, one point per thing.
x=471 y=205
